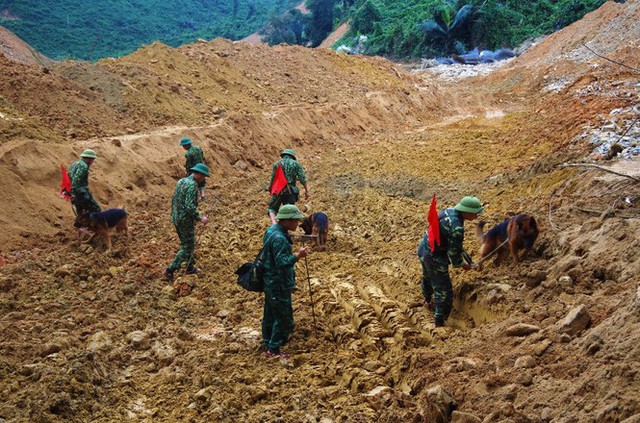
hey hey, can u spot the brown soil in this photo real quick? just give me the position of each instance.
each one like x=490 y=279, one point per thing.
x=377 y=143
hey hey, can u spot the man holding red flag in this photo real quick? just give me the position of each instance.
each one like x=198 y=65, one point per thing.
x=286 y=172
x=443 y=244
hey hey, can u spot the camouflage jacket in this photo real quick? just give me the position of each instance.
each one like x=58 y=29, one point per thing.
x=451 y=238
x=292 y=170
x=184 y=205
x=279 y=273
x=194 y=156
x=79 y=175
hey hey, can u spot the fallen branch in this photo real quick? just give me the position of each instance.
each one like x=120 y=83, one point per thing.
x=610 y=60
x=604 y=169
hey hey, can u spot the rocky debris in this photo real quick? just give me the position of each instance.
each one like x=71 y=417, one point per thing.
x=165 y=354
x=460 y=417
x=99 y=341
x=521 y=329
x=577 y=320
x=618 y=135
x=525 y=362
x=139 y=340
x=438 y=405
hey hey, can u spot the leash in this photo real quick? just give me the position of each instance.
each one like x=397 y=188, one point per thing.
x=479 y=262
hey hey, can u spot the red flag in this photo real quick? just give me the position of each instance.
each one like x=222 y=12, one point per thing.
x=279 y=181
x=65 y=185
x=434 y=225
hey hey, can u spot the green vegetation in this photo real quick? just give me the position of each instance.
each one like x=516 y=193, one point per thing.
x=93 y=29
x=423 y=28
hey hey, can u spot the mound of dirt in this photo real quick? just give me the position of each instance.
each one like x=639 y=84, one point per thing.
x=553 y=339
x=14 y=49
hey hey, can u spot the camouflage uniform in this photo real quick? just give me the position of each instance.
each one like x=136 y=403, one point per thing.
x=194 y=156
x=436 y=281
x=279 y=282
x=82 y=198
x=184 y=215
x=294 y=172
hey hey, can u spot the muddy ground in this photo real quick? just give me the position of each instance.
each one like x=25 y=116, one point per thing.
x=90 y=335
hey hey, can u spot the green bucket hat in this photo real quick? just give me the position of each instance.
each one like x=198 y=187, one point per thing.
x=201 y=168
x=288 y=152
x=185 y=141
x=89 y=154
x=469 y=204
x=289 y=211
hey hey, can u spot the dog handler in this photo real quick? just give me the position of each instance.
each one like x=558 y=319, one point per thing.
x=436 y=281
x=279 y=280
x=294 y=172
x=79 y=175
x=184 y=215
x=193 y=155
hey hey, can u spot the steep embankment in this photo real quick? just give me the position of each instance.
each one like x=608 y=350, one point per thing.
x=89 y=335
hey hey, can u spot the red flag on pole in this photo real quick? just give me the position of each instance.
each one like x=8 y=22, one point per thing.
x=279 y=181
x=65 y=185
x=434 y=225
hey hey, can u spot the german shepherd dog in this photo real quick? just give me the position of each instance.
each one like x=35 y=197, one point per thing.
x=521 y=230
x=100 y=223
x=318 y=225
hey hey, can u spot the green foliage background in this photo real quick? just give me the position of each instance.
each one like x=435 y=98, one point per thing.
x=92 y=29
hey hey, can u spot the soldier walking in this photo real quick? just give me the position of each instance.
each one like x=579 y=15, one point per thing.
x=184 y=215
x=82 y=199
x=193 y=156
x=294 y=172
x=436 y=282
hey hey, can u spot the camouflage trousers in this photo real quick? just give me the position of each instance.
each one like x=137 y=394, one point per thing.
x=84 y=201
x=288 y=195
x=436 y=283
x=187 y=234
x=277 y=319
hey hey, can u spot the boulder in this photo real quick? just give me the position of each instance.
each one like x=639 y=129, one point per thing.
x=577 y=320
x=525 y=362
x=521 y=329
x=139 y=340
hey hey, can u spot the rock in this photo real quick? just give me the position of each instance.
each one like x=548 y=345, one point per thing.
x=164 y=354
x=460 y=417
x=521 y=329
x=377 y=391
x=524 y=378
x=535 y=278
x=326 y=420
x=541 y=347
x=525 y=362
x=99 y=341
x=632 y=419
x=139 y=340
x=566 y=281
x=565 y=338
x=204 y=394
x=439 y=405
x=223 y=314
x=50 y=348
x=546 y=415
x=577 y=320
x=169 y=293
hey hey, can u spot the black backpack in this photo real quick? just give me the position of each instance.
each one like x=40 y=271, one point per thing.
x=251 y=274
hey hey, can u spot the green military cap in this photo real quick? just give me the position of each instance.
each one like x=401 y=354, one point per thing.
x=469 y=204
x=185 y=141
x=289 y=211
x=89 y=154
x=201 y=168
x=288 y=152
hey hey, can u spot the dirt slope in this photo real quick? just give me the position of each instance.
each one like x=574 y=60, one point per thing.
x=89 y=335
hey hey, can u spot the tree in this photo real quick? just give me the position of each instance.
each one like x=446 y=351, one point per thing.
x=365 y=18
x=321 y=23
x=450 y=25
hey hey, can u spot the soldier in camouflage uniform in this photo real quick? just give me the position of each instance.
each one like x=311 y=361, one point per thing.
x=184 y=215
x=79 y=175
x=279 y=280
x=436 y=281
x=294 y=172
x=193 y=155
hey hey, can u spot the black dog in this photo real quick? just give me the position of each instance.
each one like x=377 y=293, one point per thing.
x=101 y=222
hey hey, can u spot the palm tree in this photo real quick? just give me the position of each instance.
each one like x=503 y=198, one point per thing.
x=449 y=27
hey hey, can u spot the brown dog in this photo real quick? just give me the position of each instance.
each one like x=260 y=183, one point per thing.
x=100 y=223
x=521 y=230
x=317 y=225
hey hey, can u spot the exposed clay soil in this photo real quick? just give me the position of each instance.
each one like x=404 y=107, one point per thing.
x=89 y=335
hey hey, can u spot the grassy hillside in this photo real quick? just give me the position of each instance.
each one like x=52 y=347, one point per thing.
x=93 y=29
